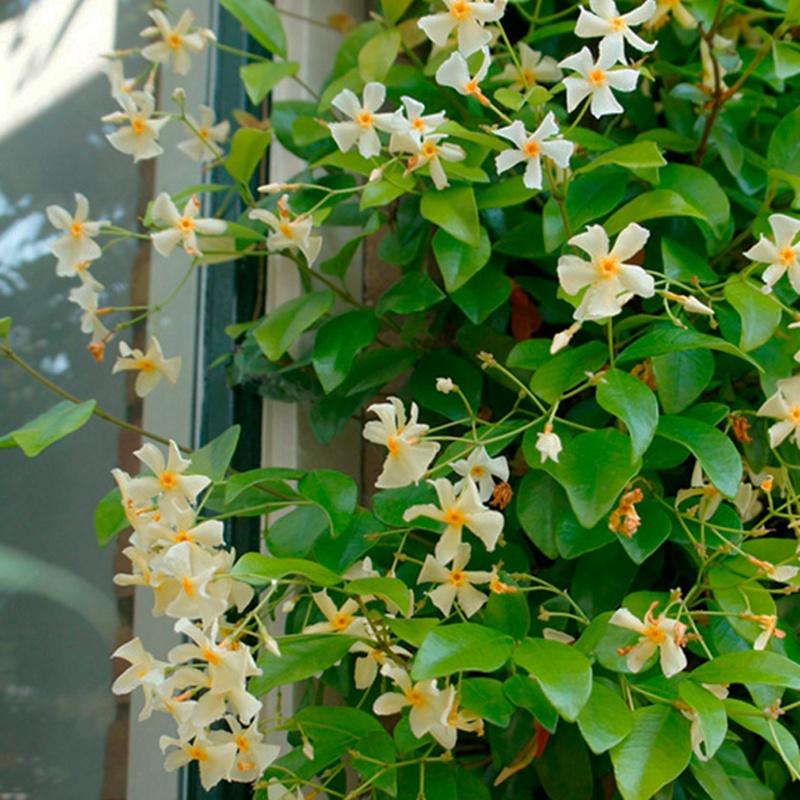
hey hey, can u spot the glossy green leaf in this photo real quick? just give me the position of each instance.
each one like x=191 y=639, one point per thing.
x=760 y=313
x=271 y=477
x=509 y=613
x=504 y=193
x=109 y=517
x=593 y=484
x=652 y=533
x=684 y=264
x=412 y=293
x=449 y=649
x=261 y=21
x=61 y=420
x=682 y=377
x=634 y=403
x=673 y=340
x=378 y=55
x=710 y=712
x=457 y=261
x=279 y=330
x=605 y=720
x=783 y=152
x=258 y=569
x=454 y=210
x=639 y=155
x=653 y=754
x=651 y=205
x=214 y=458
x=485 y=698
x=565 y=768
x=394 y=9
x=750 y=666
x=301 y=657
x=541 y=504
x=338 y=342
x=525 y=692
x=262 y=77
x=715 y=781
x=716 y=453
x=335 y=493
x=701 y=190
x=482 y=294
x=391 y=589
x=412 y=631
x=247 y=150
x=567 y=369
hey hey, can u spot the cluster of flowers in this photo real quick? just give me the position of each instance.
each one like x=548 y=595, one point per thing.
x=203 y=682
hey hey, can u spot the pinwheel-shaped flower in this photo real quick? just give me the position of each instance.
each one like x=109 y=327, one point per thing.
x=536 y=68
x=168 y=479
x=152 y=366
x=455 y=74
x=467 y=19
x=432 y=150
x=667 y=636
x=206 y=134
x=287 y=233
x=77 y=247
x=464 y=511
x=175 y=41
x=782 y=255
x=784 y=406
x=531 y=147
x=139 y=138
x=415 y=126
x=183 y=228
x=482 y=469
x=605 y=20
x=456 y=583
x=609 y=281
x=597 y=79
x=364 y=122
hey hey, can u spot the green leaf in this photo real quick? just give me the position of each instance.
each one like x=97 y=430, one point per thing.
x=109 y=517
x=787 y=59
x=412 y=293
x=278 y=331
x=632 y=401
x=61 y=420
x=655 y=752
x=710 y=711
x=270 y=477
x=391 y=589
x=337 y=343
x=261 y=78
x=258 y=569
x=509 y=613
x=247 y=150
x=673 y=340
x=682 y=377
x=380 y=193
x=483 y=293
x=593 y=484
x=683 y=264
x=541 y=504
x=715 y=781
x=302 y=656
x=654 y=531
x=605 y=720
x=261 y=21
x=760 y=313
x=640 y=155
x=454 y=210
x=378 y=55
x=446 y=364
x=525 y=692
x=5 y=327
x=334 y=492
x=214 y=458
x=567 y=369
x=464 y=646
x=458 y=261
x=509 y=98
x=716 y=453
x=700 y=190
x=564 y=674
x=651 y=205
x=564 y=768
x=510 y=192
x=295 y=535
x=783 y=152
x=412 y=631
x=750 y=666
x=485 y=698
x=394 y=9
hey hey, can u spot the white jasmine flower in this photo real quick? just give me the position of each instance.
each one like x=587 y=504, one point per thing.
x=168 y=479
x=455 y=74
x=710 y=498
x=769 y=625
x=563 y=338
x=140 y=137
x=179 y=524
x=597 y=78
x=77 y=247
x=615 y=28
x=694 y=306
x=466 y=511
x=662 y=634
x=205 y=136
x=782 y=255
x=215 y=760
x=747 y=502
x=431 y=152
x=553 y=635
x=468 y=19
x=144 y=670
x=536 y=69
x=365 y=122
x=253 y=755
x=611 y=282
x=414 y=126
x=482 y=469
x=430 y=707
x=531 y=148
x=679 y=12
x=367 y=666
x=287 y=233
x=116 y=77
x=176 y=41
x=456 y=583
x=784 y=406
x=408 y=457
x=183 y=228
x=87 y=299
x=445 y=385
x=338 y=620
x=152 y=366
x=548 y=444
